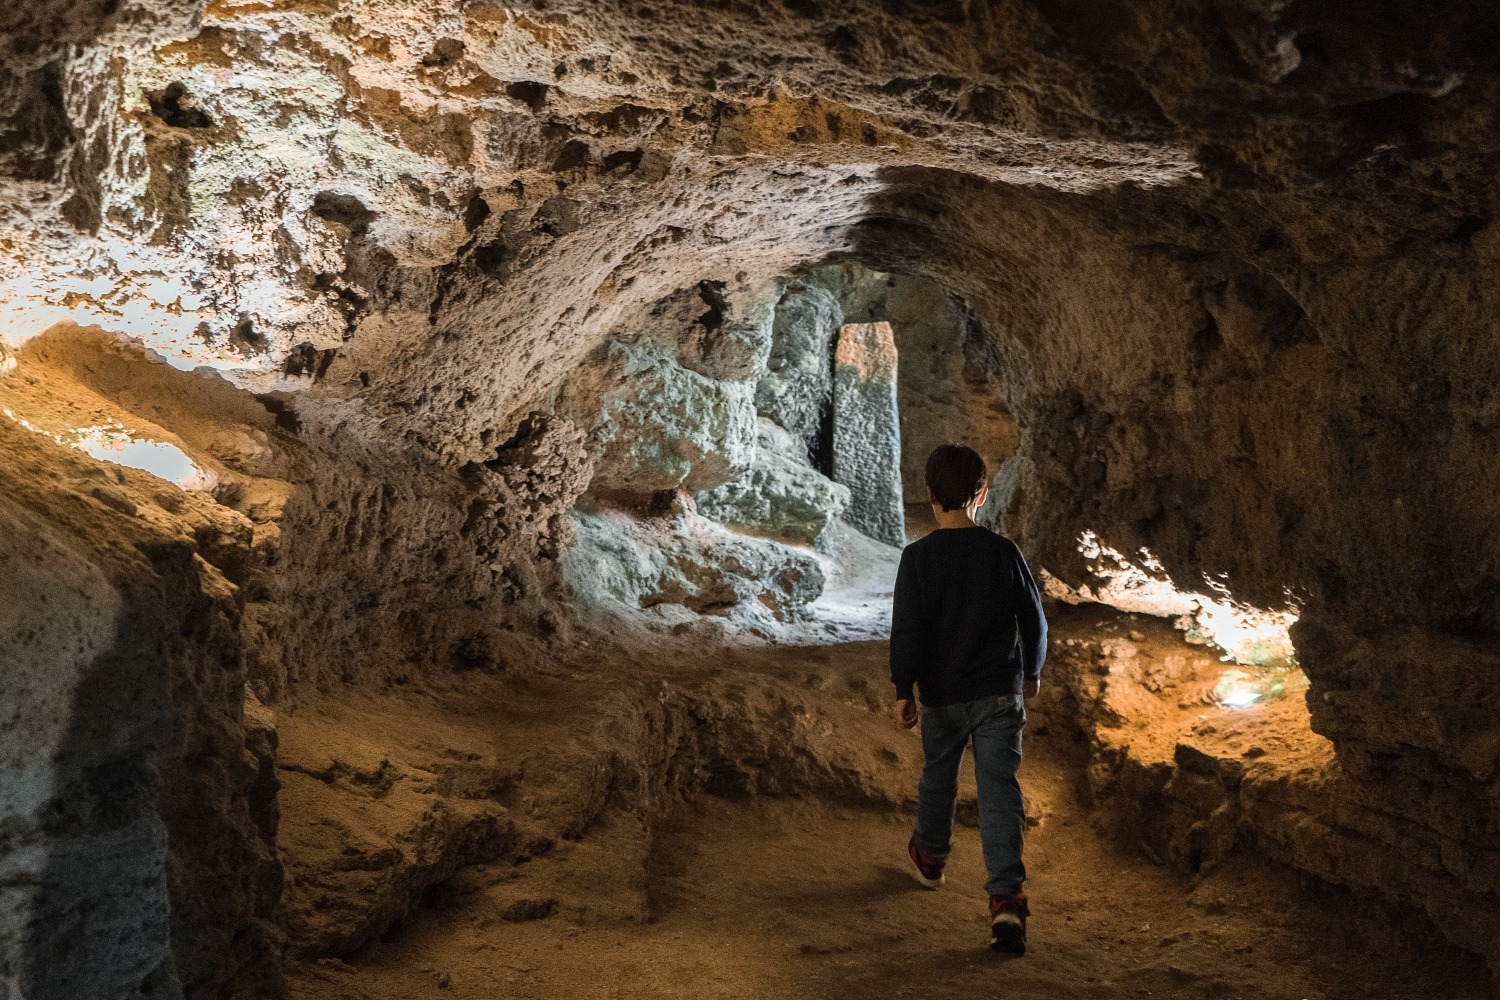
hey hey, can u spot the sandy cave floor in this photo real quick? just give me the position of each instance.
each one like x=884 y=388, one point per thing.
x=759 y=896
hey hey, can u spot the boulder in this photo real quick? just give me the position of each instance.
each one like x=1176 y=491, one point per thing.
x=666 y=427
x=730 y=333
x=780 y=495
x=688 y=560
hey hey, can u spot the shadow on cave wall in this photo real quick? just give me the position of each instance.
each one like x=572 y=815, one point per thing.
x=100 y=912
x=146 y=858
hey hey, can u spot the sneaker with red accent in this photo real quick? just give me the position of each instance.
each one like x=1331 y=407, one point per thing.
x=928 y=871
x=1008 y=915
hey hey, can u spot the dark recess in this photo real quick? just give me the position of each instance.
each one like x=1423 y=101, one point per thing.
x=529 y=93
x=344 y=209
x=712 y=294
x=281 y=409
x=34 y=137
x=476 y=212
x=575 y=153
x=446 y=52
x=305 y=359
x=630 y=159
x=245 y=339
x=1208 y=340
x=177 y=107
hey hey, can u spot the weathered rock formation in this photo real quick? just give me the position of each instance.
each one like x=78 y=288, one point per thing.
x=781 y=495
x=441 y=289
x=687 y=561
x=139 y=798
x=866 y=441
x=797 y=390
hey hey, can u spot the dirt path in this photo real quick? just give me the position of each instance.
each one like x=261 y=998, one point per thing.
x=759 y=896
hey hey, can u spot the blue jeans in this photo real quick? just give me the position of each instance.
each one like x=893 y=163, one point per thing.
x=994 y=724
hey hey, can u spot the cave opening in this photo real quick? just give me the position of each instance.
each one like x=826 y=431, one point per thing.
x=760 y=449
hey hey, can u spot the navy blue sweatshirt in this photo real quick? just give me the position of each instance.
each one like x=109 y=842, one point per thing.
x=968 y=620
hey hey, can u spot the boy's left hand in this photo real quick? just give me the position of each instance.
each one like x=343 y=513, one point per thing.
x=906 y=713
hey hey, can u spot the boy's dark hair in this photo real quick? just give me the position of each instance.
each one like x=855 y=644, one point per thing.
x=955 y=475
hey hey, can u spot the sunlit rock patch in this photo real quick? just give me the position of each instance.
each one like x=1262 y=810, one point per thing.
x=115 y=443
x=1258 y=640
x=1246 y=634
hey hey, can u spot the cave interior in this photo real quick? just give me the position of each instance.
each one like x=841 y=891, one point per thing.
x=455 y=457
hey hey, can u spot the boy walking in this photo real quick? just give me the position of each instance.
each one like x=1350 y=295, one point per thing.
x=968 y=633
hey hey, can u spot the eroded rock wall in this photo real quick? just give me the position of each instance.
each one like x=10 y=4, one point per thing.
x=352 y=569
x=1191 y=781
x=1225 y=408
x=289 y=571
x=866 y=439
x=139 y=830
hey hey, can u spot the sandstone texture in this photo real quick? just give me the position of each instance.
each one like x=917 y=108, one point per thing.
x=457 y=325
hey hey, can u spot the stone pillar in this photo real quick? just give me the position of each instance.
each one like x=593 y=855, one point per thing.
x=867 y=430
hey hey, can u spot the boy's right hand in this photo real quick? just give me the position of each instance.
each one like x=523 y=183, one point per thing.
x=906 y=712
